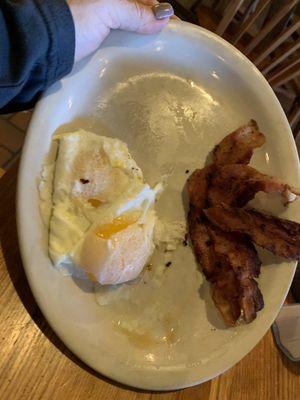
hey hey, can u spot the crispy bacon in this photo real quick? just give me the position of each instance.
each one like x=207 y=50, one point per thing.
x=238 y=146
x=280 y=236
x=237 y=184
x=201 y=241
x=236 y=265
x=228 y=260
x=198 y=185
x=222 y=234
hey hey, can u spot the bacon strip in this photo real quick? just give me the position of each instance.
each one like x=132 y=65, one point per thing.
x=238 y=146
x=280 y=236
x=237 y=184
x=228 y=260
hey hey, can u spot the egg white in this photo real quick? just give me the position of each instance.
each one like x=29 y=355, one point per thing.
x=95 y=181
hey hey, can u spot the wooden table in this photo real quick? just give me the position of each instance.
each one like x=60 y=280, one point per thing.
x=35 y=364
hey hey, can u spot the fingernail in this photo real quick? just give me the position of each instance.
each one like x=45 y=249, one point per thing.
x=163 y=10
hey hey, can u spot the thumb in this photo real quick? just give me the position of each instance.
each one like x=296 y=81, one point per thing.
x=135 y=16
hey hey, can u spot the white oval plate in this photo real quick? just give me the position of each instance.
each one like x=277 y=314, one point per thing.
x=171 y=97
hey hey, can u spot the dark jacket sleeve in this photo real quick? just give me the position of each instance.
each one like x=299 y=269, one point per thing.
x=37 y=44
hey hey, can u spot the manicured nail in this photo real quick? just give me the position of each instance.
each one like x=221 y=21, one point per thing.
x=163 y=10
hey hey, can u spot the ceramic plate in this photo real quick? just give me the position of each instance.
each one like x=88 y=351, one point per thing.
x=171 y=97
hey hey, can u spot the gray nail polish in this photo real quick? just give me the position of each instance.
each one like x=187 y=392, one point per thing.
x=163 y=10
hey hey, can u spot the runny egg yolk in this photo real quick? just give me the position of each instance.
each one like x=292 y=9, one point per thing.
x=118 y=224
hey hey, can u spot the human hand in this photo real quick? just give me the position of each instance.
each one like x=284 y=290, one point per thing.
x=93 y=20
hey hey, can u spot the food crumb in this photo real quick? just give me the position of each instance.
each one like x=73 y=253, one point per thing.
x=168 y=264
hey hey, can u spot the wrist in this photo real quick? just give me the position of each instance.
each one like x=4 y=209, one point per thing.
x=90 y=26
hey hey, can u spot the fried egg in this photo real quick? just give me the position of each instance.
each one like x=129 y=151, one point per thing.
x=102 y=212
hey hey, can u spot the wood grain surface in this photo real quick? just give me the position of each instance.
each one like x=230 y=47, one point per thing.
x=35 y=364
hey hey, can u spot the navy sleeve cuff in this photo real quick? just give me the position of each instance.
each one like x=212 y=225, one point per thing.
x=37 y=46
x=61 y=30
